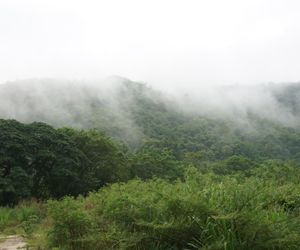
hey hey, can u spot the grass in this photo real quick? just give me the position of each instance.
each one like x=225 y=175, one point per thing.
x=21 y=218
x=204 y=211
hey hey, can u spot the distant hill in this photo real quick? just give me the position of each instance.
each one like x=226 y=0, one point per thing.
x=255 y=121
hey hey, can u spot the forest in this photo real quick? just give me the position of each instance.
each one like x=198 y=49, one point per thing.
x=129 y=167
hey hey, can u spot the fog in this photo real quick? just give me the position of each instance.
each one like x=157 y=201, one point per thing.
x=275 y=102
x=218 y=59
x=171 y=44
x=83 y=104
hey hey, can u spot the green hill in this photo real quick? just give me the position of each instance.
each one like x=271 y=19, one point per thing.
x=122 y=166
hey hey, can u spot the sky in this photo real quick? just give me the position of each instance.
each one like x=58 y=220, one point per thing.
x=166 y=43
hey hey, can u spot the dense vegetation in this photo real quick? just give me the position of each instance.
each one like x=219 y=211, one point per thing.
x=139 y=173
x=204 y=211
x=259 y=210
x=39 y=161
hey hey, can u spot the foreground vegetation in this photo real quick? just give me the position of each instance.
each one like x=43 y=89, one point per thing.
x=202 y=211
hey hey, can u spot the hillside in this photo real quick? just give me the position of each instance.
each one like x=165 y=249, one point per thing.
x=122 y=166
x=142 y=117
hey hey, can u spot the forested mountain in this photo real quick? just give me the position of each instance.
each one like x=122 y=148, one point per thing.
x=142 y=117
x=172 y=173
x=152 y=134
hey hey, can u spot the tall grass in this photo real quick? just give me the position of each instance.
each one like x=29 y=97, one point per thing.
x=21 y=218
x=202 y=212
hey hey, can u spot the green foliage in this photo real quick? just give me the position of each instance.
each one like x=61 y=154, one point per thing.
x=184 y=182
x=39 y=161
x=22 y=217
x=233 y=164
x=105 y=162
x=205 y=211
x=30 y=224
x=71 y=223
x=149 y=163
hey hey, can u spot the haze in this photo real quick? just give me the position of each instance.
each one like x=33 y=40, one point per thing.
x=165 y=43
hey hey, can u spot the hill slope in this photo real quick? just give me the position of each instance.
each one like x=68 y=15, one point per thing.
x=145 y=118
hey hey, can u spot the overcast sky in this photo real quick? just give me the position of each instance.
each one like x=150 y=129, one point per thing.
x=162 y=42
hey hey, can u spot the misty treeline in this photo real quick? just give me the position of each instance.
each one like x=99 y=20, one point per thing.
x=117 y=104
x=127 y=167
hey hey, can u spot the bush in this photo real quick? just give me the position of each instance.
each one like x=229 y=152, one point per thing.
x=71 y=223
x=201 y=212
x=205 y=211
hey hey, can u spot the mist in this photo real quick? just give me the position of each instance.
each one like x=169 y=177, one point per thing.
x=113 y=101
x=220 y=60
x=237 y=102
x=169 y=44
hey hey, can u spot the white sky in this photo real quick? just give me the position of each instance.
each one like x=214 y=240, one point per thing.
x=162 y=42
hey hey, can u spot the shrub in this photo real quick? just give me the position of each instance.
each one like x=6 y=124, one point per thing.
x=71 y=223
x=205 y=211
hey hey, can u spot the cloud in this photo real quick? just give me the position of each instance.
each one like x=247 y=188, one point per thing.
x=170 y=44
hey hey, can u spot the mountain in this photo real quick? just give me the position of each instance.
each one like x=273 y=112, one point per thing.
x=257 y=122
x=210 y=169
